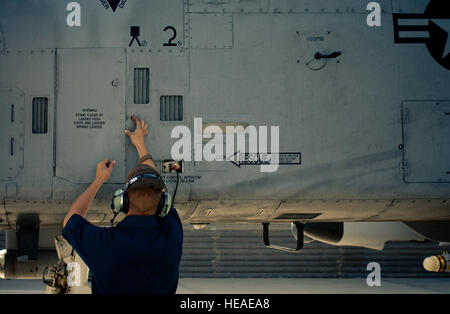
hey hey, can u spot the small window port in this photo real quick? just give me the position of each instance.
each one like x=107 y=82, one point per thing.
x=172 y=166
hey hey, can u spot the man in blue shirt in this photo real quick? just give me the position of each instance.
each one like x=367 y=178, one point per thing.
x=142 y=253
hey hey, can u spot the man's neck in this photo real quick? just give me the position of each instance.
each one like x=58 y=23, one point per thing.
x=132 y=212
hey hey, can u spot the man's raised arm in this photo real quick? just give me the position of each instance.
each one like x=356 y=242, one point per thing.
x=138 y=139
x=84 y=201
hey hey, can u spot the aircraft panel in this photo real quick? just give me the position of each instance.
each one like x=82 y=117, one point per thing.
x=168 y=76
x=426 y=150
x=218 y=34
x=29 y=73
x=11 y=132
x=272 y=77
x=93 y=118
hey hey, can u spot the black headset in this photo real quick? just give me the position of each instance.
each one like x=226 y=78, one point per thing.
x=120 y=201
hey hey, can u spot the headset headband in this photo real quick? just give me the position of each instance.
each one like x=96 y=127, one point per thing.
x=143 y=176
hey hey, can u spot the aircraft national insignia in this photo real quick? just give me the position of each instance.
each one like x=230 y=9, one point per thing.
x=113 y=4
x=431 y=28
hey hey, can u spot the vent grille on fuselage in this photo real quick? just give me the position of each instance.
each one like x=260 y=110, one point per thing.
x=171 y=108
x=40 y=115
x=141 y=85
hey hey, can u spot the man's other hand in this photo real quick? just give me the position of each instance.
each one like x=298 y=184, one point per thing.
x=104 y=170
x=84 y=201
x=138 y=136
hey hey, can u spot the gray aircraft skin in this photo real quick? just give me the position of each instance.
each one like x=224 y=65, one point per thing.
x=371 y=121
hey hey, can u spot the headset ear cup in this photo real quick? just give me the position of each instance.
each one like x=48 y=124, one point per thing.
x=166 y=205
x=125 y=202
x=160 y=208
x=117 y=201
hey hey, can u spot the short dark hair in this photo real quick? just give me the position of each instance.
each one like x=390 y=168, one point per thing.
x=141 y=169
x=145 y=194
x=144 y=200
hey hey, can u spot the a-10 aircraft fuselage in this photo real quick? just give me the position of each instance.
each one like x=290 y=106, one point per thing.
x=362 y=113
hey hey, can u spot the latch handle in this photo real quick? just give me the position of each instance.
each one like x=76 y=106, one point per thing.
x=333 y=55
x=300 y=241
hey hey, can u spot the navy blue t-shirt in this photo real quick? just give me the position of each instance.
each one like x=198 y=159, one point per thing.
x=140 y=255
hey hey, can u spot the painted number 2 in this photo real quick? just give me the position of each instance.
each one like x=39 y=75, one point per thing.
x=170 y=43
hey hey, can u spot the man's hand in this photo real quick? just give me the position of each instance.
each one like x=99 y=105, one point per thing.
x=84 y=201
x=138 y=139
x=104 y=170
x=138 y=136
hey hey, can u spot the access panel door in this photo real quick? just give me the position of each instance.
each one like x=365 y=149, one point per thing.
x=11 y=132
x=90 y=112
x=426 y=141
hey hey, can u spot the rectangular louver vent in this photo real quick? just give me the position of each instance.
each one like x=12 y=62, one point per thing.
x=171 y=108
x=141 y=85
x=40 y=115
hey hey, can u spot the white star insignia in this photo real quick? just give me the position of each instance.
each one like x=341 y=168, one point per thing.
x=444 y=24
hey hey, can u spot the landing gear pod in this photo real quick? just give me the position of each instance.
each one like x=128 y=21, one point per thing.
x=372 y=235
x=437 y=263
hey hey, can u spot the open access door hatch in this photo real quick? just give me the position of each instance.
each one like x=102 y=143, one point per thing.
x=426 y=141
x=90 y=113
